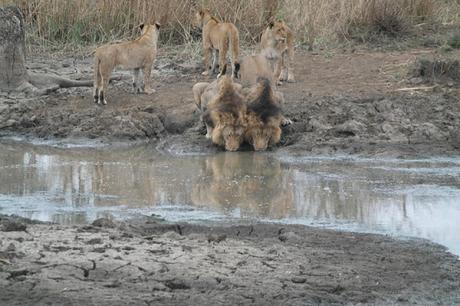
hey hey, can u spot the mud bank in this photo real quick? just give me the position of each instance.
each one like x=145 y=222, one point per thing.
x=148 y=261
x=357 y=109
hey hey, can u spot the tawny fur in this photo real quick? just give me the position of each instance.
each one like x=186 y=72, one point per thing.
x=254 y=67
x=264 y=117
x=218 y=38
x=224 y=117
x=203 y=92
x=277 y=44
x=137 y=55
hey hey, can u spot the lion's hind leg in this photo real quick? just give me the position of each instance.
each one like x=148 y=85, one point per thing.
x=105 y=72
x=137 y=86
x=97 y=81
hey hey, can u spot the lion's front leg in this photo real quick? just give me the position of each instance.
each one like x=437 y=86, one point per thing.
x=284 y=69
x=277 y=75
x=289 y=62
x=147 y=86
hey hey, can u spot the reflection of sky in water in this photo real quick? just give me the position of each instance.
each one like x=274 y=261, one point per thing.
x=408 y=198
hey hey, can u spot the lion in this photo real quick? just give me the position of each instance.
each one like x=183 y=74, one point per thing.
x=218 y=37
x=224 y=117
x=136 y=55
x=264 y=118
x=277 y=44
x=254 y=67
x=203 y=92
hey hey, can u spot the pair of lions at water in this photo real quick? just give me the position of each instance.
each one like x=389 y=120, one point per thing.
x=233 y=114
x=137 y=55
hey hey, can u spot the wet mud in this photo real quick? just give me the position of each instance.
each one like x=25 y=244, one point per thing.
x=349 y=103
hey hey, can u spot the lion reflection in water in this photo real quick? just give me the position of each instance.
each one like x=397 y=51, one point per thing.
x=251 y=182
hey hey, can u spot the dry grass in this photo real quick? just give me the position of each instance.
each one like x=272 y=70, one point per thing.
x=83 y=22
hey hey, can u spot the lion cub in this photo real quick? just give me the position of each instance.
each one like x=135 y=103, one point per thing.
x=277 y=44
x=218 y=37
x=136 y=55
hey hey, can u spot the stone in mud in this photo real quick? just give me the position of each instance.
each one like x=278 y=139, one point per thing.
x=216 y=238
x=454 y=138
x=104 y=222
x=350 y=128
x=289 y=236
x=298 y=280
x=428 y=132
x=177 y=284
x=13 y=226
x=94 y=241
x=392 y=133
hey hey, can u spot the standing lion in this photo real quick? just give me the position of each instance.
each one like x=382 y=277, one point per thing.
x=218 y=37
x=136 y=55
x=277 y=44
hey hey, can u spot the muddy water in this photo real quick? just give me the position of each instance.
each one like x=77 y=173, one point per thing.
x=419 y=198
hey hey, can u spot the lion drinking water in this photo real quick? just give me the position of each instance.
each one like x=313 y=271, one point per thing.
x=264 y=117
x=224 y=117
x=136 y=55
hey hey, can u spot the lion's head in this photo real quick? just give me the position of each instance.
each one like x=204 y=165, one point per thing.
x=261 y=135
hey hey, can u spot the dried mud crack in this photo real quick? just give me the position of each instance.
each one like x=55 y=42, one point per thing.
x=149 y=261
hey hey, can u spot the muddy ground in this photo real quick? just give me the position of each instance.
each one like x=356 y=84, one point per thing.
x=146 y=261
x=351 y=103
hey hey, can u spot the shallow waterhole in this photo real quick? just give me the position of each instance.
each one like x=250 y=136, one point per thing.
x=404 y=198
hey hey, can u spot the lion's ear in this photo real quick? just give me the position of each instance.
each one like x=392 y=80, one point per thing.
x=141 y=26
x=271 y=24
x=158 y=25
x=201 y=13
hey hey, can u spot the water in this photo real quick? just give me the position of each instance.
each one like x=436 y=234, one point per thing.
x=415 y=198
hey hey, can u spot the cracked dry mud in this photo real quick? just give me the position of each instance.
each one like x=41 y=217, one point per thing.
x=147 y=261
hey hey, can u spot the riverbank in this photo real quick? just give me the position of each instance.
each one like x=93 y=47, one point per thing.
x=149 y=261
x=352 y=103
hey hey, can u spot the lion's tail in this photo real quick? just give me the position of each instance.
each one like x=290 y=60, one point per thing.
x=235 y=47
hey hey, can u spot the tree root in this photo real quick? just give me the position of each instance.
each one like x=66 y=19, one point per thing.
x=44 y=84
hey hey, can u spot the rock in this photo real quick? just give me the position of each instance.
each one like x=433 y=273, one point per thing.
x=298 y=280
x=454 y=138
x=216 y=238
x=13 y=226
x=11 y=248
x=350 y=128
x=428 y=132
x=104 y=222
x=316 y=125
x=393 y=133
x=177 y=284
x=291 y=236
x=416 y=81
x=94 y=241
x=8 y=123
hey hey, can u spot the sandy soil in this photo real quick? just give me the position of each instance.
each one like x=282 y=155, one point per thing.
x=341 y=103
x=147 y=261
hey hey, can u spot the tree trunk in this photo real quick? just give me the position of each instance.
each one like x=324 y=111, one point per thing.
x=13 y=72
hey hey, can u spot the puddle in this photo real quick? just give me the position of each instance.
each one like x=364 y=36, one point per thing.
x=416 y=198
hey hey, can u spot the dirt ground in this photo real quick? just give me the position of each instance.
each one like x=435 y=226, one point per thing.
x=350 y=103
x=147 y=261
